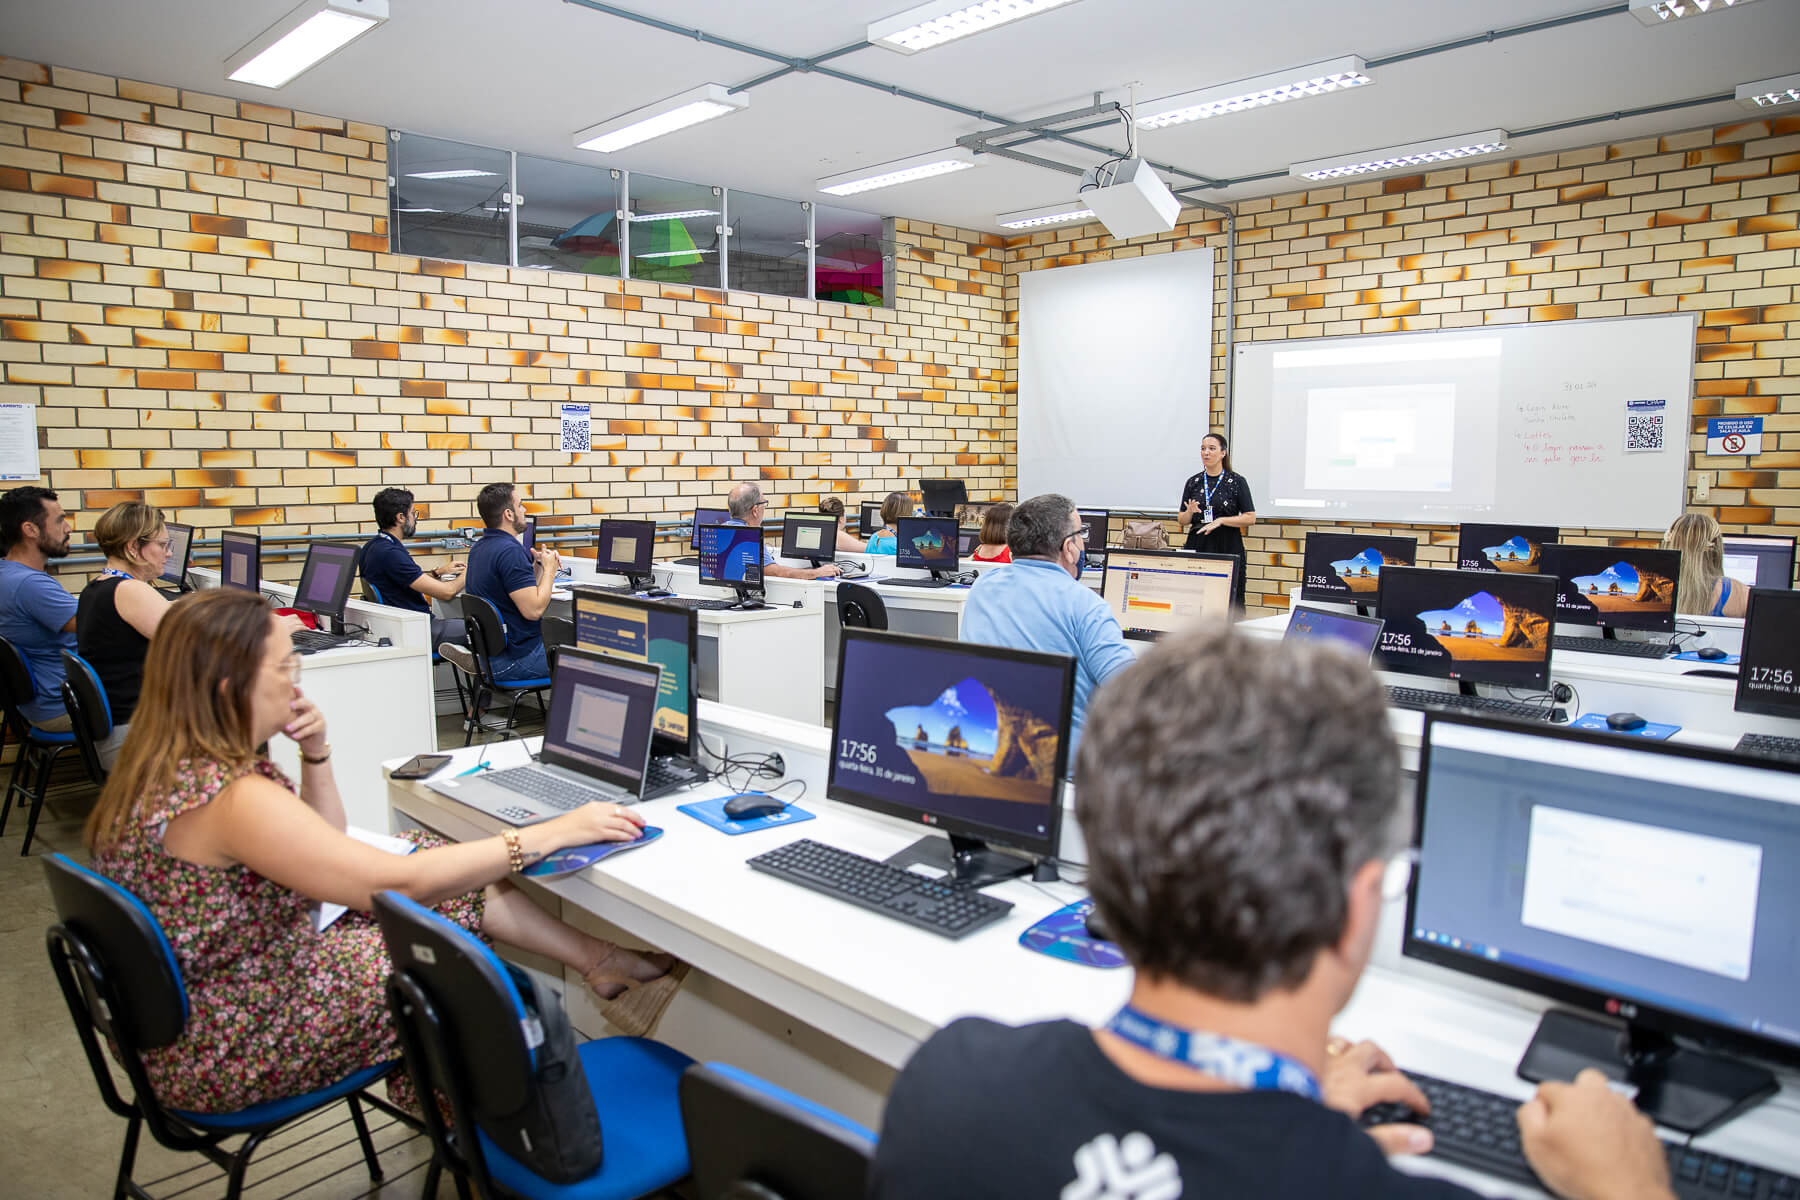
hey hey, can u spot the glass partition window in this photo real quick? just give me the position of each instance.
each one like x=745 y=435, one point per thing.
x=568 y=216
x=674 y=235
x=849 y=256
x=450 y=200
x=767 y=247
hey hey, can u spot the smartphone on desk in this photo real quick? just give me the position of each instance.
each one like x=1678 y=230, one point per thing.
x=421 y=766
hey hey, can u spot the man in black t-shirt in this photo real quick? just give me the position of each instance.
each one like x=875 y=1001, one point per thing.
x=1238 y=864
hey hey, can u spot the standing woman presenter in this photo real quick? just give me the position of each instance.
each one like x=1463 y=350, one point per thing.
x=1216 y=508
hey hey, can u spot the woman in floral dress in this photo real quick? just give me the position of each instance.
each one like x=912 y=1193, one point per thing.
x=233 y=860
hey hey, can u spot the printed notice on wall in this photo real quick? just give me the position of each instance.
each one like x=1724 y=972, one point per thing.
x=1644 y=425
x=577 y=428
x=18 y=441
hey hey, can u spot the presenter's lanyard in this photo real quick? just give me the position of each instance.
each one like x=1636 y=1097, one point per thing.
x=1207 y=515
x=1240 y=1063
x=115 y=572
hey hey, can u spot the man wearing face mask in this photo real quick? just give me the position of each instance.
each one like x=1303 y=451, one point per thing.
x=1038 y=604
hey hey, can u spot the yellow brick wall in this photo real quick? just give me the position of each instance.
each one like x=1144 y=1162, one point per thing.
x=1701 y=221
x=197 y=293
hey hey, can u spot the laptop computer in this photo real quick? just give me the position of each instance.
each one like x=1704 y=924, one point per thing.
x=1356 y=635
x=596 y=744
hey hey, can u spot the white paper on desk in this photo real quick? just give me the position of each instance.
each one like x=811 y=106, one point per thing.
x=329 y=913
x=18 y=441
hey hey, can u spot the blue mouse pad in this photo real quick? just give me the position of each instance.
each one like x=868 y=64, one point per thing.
x=1730 y=660
x=571 y=859
x=1597 y=722
x=1063 y=934
x=712 y=812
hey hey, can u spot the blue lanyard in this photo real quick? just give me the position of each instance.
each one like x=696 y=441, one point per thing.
x=1210 y=490
x=117 y=572
x=1243 y=1064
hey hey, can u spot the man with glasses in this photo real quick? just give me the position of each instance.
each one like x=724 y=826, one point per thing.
x=1038 y=602
x=748 y=508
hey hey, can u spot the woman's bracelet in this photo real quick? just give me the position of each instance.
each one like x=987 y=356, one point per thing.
x=316 y=760
x=515 y=853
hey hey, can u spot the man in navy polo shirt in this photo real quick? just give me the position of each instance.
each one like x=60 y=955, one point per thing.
x=388 y=567
x=516 y=581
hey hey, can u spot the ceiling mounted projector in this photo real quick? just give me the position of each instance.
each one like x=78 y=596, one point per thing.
x=1130 y=200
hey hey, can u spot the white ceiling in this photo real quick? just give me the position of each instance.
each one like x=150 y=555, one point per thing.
x=525 y=74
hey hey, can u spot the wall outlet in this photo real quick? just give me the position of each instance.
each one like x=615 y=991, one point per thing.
x=1702 y=485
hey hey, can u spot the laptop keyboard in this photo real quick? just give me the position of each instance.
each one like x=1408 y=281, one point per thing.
x=552 y=790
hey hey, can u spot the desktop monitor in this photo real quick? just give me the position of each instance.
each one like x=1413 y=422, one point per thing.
x=1760 y=562
x=940 y=497
x=1650 y=882
x=649 y=631
x=181 y=542
x=927 y=544
x=970 y=740
x=1095 y=519
x=528 y=539
x=868 y=518
x=732 y=556
x=1352 y=632
x=1157 y=592
x=1613 y=588
x=326 y=578
x=1471 y=626
x=966 y=541
x=240 y=560
x=627 y=548
x=1345 y=568
x=809 y=536
x=1517 y=548
x=706 y=516
x=1769 y=664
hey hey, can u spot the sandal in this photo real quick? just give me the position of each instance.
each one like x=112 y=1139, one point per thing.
x=603 y=980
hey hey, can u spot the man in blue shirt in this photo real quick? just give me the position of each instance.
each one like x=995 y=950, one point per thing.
x=388 y=567
x=37 y=614
x=516 y=581
x=1038 y=604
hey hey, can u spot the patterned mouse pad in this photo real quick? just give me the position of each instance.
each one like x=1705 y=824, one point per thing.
x=1063 y=934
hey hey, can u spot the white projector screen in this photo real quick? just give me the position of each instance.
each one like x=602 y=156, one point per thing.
x=1115 y=366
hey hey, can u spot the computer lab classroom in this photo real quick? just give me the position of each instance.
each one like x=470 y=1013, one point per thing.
x=1490 y=314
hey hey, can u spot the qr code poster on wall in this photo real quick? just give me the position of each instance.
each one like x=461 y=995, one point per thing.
x=1644 y=425
x=577 y=429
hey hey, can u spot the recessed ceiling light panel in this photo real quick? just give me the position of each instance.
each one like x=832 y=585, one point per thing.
x=1049 y=214
x=1395 y=158
x=677 y=112
x=1769 y=93
x=1316 y=79
x=457 y=173
x=890 y=174
x=639 y=218
x=1666 y=12
x=301 y=40
x=934 y=24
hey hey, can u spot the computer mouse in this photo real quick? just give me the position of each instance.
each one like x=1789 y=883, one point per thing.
x=1711 y=653
x=753 y=804
x=1096 y=926
x=1625 y=721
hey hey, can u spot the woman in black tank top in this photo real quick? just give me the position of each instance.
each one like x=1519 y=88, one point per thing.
x=119 y=611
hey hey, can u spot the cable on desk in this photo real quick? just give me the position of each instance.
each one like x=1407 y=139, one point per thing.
x=752 y=766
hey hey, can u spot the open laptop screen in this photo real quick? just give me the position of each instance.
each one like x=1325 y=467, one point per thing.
x=601 y=711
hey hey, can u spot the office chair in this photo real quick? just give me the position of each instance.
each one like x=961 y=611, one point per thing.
x=90 y=712
x=486 y=635
x=120 y=979
x=747 y=1137
x=461 y=1018
x=38 y=749
x=861 y=606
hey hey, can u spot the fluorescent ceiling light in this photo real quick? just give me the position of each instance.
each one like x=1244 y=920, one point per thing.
x=302 y=39
x=1769 y=93
x=934 y=24
x=674 y=216
x=904 y=170
x=1667 y=12
x=1393 y=158
x=675 y=253
x=691 y=107
x=1049 y=214
x=459 y=173
x=1317 y=79
x=419 y=210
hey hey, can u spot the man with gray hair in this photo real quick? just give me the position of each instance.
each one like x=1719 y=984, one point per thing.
x=746 y=504
x=1038 y=602
x=1238 y=862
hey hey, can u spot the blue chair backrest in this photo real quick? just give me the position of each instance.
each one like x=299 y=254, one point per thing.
x=81 y=678
x=132 y=951
x=476 y=998
x=745 y=1130
x=371 y=593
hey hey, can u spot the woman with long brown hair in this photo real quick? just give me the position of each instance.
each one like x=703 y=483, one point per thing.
x=233 y=860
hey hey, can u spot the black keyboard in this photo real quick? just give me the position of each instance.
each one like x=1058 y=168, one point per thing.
x=693 y=602
x=311 y=641
x=948 y=909
x=669 y=773
x=1478 y=1129
x=548 y=789
x=1424 y=698
x=1768 y=745
x=932 y=583
x=1594 y=645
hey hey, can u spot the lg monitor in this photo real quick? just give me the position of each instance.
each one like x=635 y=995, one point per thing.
x=1095 y=520
x=1351 y=632
x=1760 y=562
x=732 y=556
x=181 y=542
x=1768 y=680
x=970 y=740
x=927 y=544
x=1158 y=592
x=1651 y=884
x=868 y=518
x=326 y=578
x=1470 y=626
x=707 y=516
x=627 y=548
x=240 y=560
x=940 y=497
x=1516 y=548
x=811 y=537
x=647 y=631
x=1614 y=589
x=1345 y=568
x=528 y=539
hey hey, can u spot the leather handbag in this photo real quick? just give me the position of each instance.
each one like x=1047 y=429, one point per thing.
x=1145 y=535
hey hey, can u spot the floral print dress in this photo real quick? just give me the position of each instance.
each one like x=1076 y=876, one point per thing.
x=275 y=1008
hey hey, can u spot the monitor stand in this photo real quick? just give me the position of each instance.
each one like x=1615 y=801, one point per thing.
x=964 y=860
x=1365 y=610
x=748 y=596
x=644 y=584
x=1682 y=1087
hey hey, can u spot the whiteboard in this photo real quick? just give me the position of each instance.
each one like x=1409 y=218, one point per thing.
x=1115 y=363
x=1574 y=423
